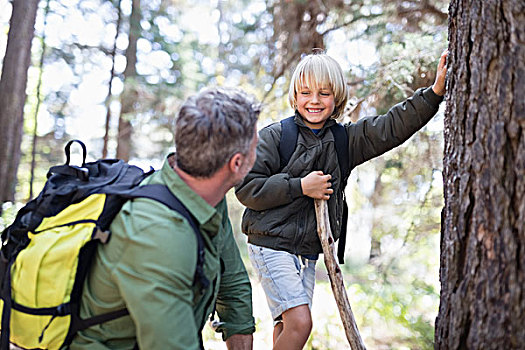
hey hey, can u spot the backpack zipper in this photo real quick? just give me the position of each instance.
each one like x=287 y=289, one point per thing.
x=85 y=221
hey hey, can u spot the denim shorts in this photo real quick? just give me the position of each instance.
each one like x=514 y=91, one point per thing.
x=287 y=280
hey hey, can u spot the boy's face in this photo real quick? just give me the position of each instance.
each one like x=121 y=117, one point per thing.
x=316 y=105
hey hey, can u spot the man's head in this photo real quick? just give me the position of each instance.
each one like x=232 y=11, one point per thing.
x=213 y=126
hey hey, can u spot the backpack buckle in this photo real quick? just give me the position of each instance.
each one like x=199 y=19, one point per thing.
x=214 y=324
x=102 y=236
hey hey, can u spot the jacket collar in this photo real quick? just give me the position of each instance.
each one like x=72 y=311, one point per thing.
x=206 y=215
x=298 y=119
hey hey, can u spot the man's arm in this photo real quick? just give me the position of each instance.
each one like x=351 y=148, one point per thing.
x=234 y=300
x=240 y=342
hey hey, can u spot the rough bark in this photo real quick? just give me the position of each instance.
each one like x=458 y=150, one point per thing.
x=129 y=95
x=483 y=228
x=13 y=92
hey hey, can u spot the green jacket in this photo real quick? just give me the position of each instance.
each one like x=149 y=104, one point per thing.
x=148 y=266
x=278 y=215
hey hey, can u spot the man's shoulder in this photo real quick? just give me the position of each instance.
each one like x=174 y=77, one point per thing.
x=142 y=215
x=150 y=209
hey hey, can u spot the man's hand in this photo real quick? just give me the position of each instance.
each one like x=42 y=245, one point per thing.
x=240 y=342
x=441 y=74
x=317 y=185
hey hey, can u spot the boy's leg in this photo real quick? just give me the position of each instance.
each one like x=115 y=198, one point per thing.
x=277 y=330
x=297 y=324
x=308 y=280
x=288 y=282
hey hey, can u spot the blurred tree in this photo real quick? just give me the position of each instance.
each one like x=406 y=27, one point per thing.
x=130 y=94
x=38 y=104
x=12 y=93
x=107 y=124
x=483 y=232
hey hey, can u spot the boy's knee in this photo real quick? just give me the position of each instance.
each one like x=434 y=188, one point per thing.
x=305 y=325
x=298 y=319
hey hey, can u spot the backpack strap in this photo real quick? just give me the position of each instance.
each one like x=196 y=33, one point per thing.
x=341 y=148
x=343 y=157
x=162 y=194
x=287 y=144
x=289 y=135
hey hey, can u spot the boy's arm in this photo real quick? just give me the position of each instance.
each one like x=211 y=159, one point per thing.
x=373 y=136
x=234 y=300
x=265 y=187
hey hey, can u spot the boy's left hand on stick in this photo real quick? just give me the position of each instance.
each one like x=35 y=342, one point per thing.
x=441 y=74
x=317 y=185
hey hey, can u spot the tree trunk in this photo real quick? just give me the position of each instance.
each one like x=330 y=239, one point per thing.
x=13 y=92
x=38 y=103
x=483 y=225
x=130 y=94
x=110 y=82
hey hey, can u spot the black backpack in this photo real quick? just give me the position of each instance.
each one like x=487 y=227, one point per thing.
x=52 y=241
x=287 y=144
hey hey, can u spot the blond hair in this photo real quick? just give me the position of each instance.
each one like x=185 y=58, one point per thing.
x=317 y=70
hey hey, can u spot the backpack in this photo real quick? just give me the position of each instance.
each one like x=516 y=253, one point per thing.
x=287 y=144
x=47 y=251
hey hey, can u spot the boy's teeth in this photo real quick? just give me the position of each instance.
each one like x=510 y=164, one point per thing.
x=313 y=110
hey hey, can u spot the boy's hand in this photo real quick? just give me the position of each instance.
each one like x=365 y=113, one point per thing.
x=317 y=185
x=441 y=74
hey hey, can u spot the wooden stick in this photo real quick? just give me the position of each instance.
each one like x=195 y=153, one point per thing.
x=336 y=276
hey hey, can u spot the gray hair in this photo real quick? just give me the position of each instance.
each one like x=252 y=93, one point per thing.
x=211 y=127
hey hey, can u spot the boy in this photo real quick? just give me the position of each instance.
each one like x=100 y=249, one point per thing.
x=280 y=217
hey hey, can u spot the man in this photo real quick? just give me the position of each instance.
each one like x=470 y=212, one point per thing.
x=149 y=264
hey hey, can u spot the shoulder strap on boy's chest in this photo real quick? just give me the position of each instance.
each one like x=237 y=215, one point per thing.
x=289 y=135
x=341 y=147
x=288 y=142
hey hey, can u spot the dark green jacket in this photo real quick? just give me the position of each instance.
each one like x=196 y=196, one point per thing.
x=278 y=215
x=148 y=266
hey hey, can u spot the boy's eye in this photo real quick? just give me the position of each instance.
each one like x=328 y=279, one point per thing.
x=305 y=92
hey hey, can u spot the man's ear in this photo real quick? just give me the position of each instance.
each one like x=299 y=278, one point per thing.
x=236 y=162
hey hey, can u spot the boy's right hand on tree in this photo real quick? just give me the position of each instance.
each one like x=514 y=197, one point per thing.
x=317 y=185
x=441 y=74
